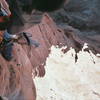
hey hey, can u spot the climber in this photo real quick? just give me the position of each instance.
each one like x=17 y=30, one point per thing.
x=27 y=6
x=5 y=37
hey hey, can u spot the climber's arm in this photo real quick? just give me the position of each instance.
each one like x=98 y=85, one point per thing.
x=5 y=6
x=4 y=21
x=4 y=18
x=4 y=15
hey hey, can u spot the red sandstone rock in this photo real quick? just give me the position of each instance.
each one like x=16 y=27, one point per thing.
x=16 y=76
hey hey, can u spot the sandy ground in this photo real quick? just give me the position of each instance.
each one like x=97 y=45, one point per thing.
x=67 y=80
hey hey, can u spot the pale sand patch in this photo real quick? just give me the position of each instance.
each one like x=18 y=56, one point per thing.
x=67 y=80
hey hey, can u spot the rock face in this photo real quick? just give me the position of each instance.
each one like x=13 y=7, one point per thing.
x=81 y=14
x=17 y=76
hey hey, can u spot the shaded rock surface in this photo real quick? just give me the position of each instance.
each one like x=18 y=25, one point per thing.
x=17 y=76
x=81 y=14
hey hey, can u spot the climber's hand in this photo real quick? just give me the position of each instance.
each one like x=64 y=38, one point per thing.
x=5 y=6
x=15 y=37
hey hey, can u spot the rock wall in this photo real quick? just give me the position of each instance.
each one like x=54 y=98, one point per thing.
x=81 y=14
x=17 y=76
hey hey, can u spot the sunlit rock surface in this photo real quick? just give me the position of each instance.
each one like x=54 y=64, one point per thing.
x=16 y=80
x=67 y=80
x=70 y=73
